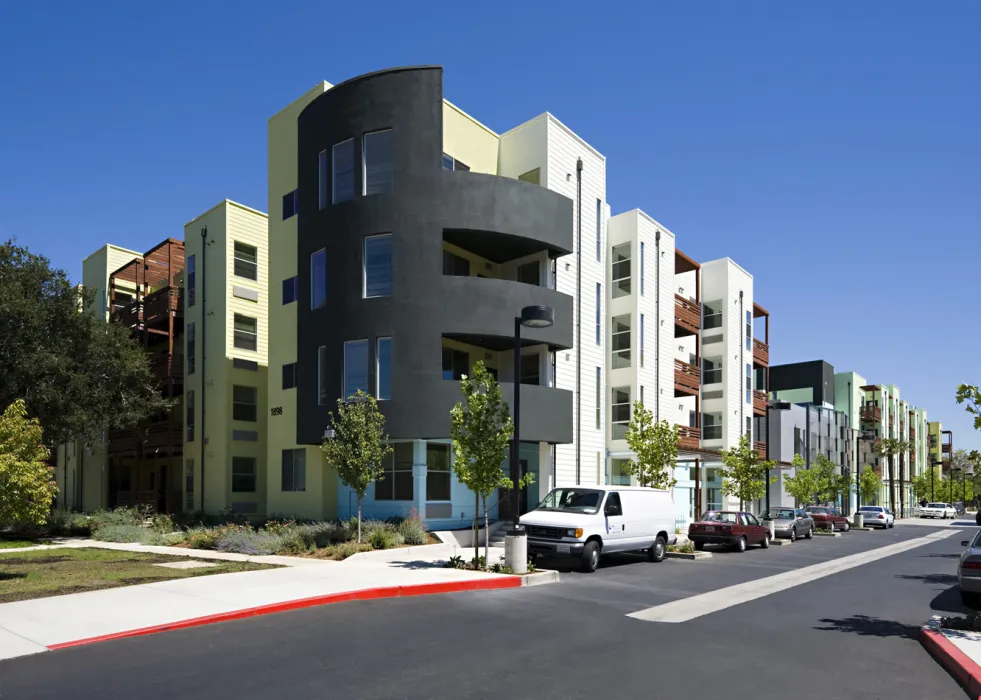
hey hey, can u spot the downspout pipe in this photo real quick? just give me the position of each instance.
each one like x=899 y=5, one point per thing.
x=742 y=372
x=657 y=327
x=579 y=320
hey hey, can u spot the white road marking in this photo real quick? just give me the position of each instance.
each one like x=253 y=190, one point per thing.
x=713 y=601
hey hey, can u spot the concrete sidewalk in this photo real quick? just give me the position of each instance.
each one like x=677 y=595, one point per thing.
x=958 y=651
x=42 y=624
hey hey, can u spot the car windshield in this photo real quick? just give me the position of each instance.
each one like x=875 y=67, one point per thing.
x=778 y=514
x=713 y=516
x=572 y=500
x=812 y=509
x=937 y=505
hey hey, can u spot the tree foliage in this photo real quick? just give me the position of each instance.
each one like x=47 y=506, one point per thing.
x=970 y=395
x=801 y=485
x=921 y=486
x=358 y=447
x=869 y=485
x=822 y=483
x=744 y=472
x=77 y=374
x=889 y=448
x=656 y=447
x=26 y=484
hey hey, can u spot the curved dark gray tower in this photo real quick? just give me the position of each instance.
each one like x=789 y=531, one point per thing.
x=498 y=218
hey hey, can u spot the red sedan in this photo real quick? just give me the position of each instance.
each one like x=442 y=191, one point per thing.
x=828 y=518
x=732 y=528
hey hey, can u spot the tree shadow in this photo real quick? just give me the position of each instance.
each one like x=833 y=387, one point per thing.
x=866 y=626
x=417 y=564
x=930 y=579
x=11 y=577
x=935 y=555
x=950 y=601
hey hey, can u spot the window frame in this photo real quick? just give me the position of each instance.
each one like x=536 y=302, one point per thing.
x=189 y=416
x=364 y=266
x=291 y=289
x=620 y=358
x=749 y=330
x=334 y=198
x=621 y=286
x=641 y=267
x=640 y=341
x=293 y=454
x=599 y=230
x=190 y=279
x=706 y=306
x=385 y=488
x=354 y=345
x=386 y=340
x=706 y=370
x=616 y=421
x=322 y=375
x=455 y=354
x=599 y=313
x=599 y=397
x=237 y=338
x=190 y=354
x=322 y=169
x=443 y=474
x=240 y=475
x=246 y=264
x=289 y=376
x=364 y=162
x=314 y=305
x=241 y=407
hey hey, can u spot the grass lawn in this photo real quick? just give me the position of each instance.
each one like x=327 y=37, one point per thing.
x=39 y=573
x=16 y=544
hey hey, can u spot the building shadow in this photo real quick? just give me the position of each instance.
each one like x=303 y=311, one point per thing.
x=866 y=626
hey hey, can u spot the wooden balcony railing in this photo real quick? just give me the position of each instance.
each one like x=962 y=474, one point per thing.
x=689 y=438
x=687 y=379
x=912 y=433
x=165 y=366
x=759 y=402
x=761 y=353
x=760 y=448
x=871 y=414
x=687 y=316
x=123 y=442
x=163 y=301
x=892 y=420
x=167 y=435
x=945 y=449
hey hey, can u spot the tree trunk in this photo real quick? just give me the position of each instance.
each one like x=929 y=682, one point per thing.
x=892 y=486
x=902 y=495
x=486 y=535
x=476 y=528
x=359 y=519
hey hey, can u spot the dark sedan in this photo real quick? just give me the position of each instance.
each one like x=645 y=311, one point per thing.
x=732 y=528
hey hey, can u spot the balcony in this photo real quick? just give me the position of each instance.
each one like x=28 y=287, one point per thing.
x=688 y=438
x=123 y=443
x=892 y=420
x=871 y=414
x=687 y=379
x=761 y=353
x=687 y=316
x=945 y=448
x=167 y=437
x=760 y=448
x=165 y=366
x=760 y=401
x=912 y=433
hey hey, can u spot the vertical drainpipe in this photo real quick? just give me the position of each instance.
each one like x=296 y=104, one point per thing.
x=204 y=345
x=657 y=326
x=579 y=319
x=742 y=372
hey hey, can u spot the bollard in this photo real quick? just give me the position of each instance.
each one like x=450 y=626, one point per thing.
x=859 y=519
x=516 y=550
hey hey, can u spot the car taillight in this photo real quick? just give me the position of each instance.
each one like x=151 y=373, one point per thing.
x=880 y=516
x=971 y=565
x=726 y=529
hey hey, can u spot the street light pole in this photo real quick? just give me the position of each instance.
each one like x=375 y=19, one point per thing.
x=768 y=455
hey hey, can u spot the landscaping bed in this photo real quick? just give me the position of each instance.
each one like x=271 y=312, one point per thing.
x=43 y=573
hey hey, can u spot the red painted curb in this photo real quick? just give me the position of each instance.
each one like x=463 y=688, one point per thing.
x=364 y=594
x=957 y=663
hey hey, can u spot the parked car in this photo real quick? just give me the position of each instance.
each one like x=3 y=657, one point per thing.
x=969 y=570
x=877 y=516
x=959 y=507
x=585 y=522
x=789 y=522
x=938 y=510
x=828 y=518
x=733 y=528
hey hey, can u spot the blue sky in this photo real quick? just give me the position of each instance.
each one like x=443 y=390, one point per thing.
x=833 y=149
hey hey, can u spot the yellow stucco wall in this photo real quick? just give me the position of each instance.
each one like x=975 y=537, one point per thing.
x=468 y=140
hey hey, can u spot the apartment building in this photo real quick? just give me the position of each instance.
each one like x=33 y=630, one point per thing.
x=849 y=399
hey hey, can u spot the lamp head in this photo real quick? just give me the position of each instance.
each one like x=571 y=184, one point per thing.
x=537 y=316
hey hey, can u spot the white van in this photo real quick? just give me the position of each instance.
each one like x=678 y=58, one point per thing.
x=586 y=521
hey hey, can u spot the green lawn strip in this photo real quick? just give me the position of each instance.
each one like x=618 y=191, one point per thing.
x=39 y=573
x=17 y=544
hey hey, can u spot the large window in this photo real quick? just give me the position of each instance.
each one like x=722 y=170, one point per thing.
x=599 y=230
x=451 y=163
x=378 y=266
x=383 y=369
x=711 y=426
x=295 y=470
x=355 y=367
x=642 y=268
x=454 y=265
x=620 y=410
x=322 y=375
x=246 y=261
x=377 y=154
x=712 y=314
x=456 y=363
x=189 y=420
x=322 y=178
x=289 y=375
x=749 y=330
x=530 y=372
x=749 y=383
x=191 y=280
x=397 y=483
x=599 y=313
x=621 y=270
x=289 y=290
x=291 y=204
x=599 y=396
x=343 y=171
x=245 y=403
x=243 y=474
x=246 y=333
x=437 y=471
x=191 y=342
x=618 y=477
x=621 y=341
x=318 y=279
x=711 y=370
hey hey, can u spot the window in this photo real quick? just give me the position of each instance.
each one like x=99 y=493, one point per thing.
x=245 y=403
x=621 y=341
x=451 y=163
x=290 y=204
x=749 y=428
x=190 y=348
x=396 y=484
x=247 y=365
x=454 y=265
x=530 y=373
x=189 y=420
x=749 y=330
x=318 y=279
x=289 y=290
x=530 y=273
x=642 y=268
x=322 y=375
x=532 y=176
x=621 y=270
x=712 y=370
x=189 y=484
x=378 y=266
x=383 y=369
x=437 y=471
x=377 y=162
x=642 y=393
x=343 y=171
x=355 y=367
x=191 y=280
x=712 y=315
x=246 y=333
x=599 y=230
x=613 y=505
x=289 y=376
x=620 y=412
x=456 y=363
x=712 y=426
x=243 y=474
x=749 y=383
x=617 y=476
x=322 y=179
x=246 y=261
x=599 y=311
x=642 y=340
x=599 y=396
x=294 y=470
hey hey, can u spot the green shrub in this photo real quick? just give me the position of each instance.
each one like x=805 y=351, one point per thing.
x=249 y=541
x=67 y=523
x=136 y=515
x=134 y=534
x=291 y=542
x=343 y=550
x=381 y=538
x=413 y=530
x=162 y=523
x=202 y=537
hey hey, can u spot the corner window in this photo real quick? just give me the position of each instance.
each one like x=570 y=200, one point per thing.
x=189 y=420
x=456 y=363
x=246 y=261
x=191 y=280
x=377 y=162
x=290 y=204
x=322 y=376
x=617 y=476
x=397 y=483
x=294 y=476
x=243 y=474
x=532 y=176
x=289 y=376
x=712 y=314
x=246 y=333
x=437 y=471
x=190 y=353
x=383 y=369
x=599 y=313
x=712 y=370
x=451 y=163
x=454 y=265
x=343 y=171
x=245 y=403
x=318 y=279
x=289 y=290
x=377 y=272
x=355 y=367
x=322 y=166
x=621 y=341
x=620 y=412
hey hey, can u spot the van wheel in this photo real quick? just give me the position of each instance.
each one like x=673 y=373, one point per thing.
x=699 y=546
x=657 y=550
x=590 y=557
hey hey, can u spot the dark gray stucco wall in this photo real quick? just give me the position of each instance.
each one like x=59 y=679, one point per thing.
x=816 y=374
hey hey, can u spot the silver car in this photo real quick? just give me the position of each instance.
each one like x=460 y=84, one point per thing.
x=789 y=522
x=969 y=570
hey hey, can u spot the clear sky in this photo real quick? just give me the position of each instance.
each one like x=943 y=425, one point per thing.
x=833 y=149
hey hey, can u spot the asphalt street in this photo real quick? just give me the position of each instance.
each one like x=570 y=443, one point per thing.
x=849 y=635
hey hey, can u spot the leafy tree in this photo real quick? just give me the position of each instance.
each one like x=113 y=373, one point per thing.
x=358 y=447
x=481 y=428
x=890 y=447
x=869 y=485
x=26 y=484
x=656 y=447
x=802 y=484
x=921 y=486
x=831 y=486
x=744 y=473
x=77 y=374
x=971 y=395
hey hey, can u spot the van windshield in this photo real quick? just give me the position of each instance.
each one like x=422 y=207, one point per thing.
x=572 y=500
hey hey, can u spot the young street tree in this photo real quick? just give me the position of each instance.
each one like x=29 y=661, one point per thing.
x=77 y=374
x=481 y=428
x=26 y=484
x=801 y=485
x=744 y=473
x=358 y=447
x=832 y=486
x=656 y=447
x=869 y=485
